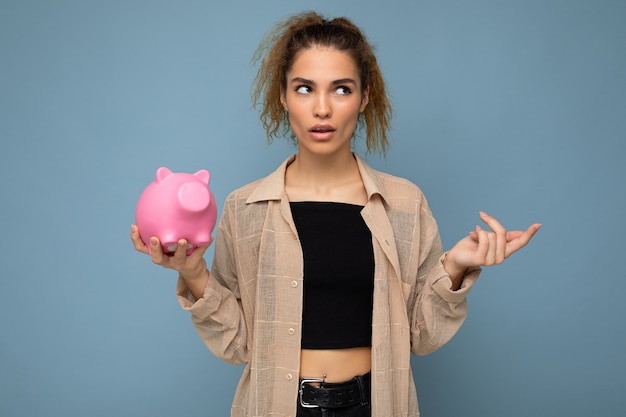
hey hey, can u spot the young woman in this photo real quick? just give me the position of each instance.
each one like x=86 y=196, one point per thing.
x=328 y=274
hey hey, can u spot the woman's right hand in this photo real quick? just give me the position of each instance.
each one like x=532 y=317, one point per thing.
x=192 y=268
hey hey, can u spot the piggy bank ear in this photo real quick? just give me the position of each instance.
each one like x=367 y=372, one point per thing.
x=204 y=176
x=162 y=173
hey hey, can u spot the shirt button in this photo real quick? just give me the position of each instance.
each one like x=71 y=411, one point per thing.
x=292 y=331
x=294 y=283
x=289 y=377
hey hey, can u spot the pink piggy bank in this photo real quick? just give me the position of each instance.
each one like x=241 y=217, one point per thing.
x=177 y=206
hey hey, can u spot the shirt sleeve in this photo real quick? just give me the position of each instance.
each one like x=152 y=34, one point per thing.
x=218 y=316
x=437 y=312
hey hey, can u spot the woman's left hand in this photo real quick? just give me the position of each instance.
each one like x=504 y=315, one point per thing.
x=485 y=248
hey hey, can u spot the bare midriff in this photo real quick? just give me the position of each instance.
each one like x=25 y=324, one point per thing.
x=335 y=365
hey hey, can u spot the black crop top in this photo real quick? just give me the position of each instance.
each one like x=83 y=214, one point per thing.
x=338 y=275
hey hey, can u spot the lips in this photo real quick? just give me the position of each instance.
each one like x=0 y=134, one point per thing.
x=322 y=132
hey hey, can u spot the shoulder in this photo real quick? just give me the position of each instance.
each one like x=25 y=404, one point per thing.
x=391 y=187
x=400 y=196
x=400 y=186
x=408 y=211
x=240 y=217
x=244 y=191
x=270 y=187
x=238 y=199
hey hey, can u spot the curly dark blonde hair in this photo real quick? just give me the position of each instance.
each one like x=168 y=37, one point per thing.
x=276 y=55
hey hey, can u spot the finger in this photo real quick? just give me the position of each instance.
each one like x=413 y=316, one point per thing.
x=499 y=243
x=156 y=251
x=194 y=260
x=198 y=252
x=513 y=234
x=138 y=243
x=178 y=258
x=522 y=239
x=510 y=235
x=490 y=258
x=483 y=246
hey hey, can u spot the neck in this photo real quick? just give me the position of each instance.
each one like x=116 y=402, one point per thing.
x=327 y=170
x=334 y=178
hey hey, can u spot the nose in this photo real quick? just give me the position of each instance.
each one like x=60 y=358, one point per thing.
x=322 y=107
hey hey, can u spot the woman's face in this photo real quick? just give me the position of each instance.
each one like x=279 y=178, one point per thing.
x=323 y=98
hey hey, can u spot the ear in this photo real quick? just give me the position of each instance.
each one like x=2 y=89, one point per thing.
x=365 y=100
x=203 y=175
x=162 y=173
x=283 y=99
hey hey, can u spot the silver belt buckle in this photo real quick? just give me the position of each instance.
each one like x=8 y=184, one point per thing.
x=305 y=381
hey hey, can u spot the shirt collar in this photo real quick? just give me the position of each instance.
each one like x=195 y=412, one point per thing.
x=272 y=187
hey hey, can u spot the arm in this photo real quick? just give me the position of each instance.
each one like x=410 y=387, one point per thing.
x=440 y=306
x=218 y=314
x=437 y=311
x=215 y=304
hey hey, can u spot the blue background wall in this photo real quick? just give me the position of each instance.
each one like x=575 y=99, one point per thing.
x=517 y=108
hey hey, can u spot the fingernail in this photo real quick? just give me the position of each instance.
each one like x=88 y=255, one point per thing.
x=153 y=241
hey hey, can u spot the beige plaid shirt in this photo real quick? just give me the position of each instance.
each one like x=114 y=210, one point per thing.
x=251 y=310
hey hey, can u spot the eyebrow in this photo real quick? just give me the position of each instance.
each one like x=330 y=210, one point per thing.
x=311 y=82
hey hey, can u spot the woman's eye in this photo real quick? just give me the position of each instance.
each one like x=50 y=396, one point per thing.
x=343 y=91
x=303 y=89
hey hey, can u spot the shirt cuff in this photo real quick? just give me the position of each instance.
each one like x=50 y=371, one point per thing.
x=203 y=307
x=443 y=285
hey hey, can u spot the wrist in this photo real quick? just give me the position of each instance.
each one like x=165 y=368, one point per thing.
x=196 y=283
x=199 y=273
x=195 y=276
x=454 y=271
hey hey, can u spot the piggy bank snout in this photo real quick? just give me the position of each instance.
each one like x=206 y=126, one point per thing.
x=194 y=197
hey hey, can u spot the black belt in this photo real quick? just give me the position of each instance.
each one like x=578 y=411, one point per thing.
x=335 y=395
